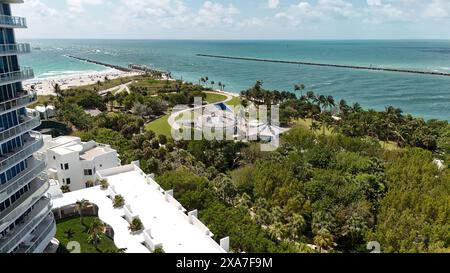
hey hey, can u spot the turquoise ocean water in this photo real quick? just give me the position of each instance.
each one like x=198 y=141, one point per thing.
x=422 y=95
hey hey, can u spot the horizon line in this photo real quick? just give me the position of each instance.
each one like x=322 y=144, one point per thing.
x=244 y=39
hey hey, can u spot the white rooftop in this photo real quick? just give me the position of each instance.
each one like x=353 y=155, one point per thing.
x=162 y=216
x=67 y=144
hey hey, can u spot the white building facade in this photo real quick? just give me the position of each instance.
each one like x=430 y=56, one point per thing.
x=73 y=163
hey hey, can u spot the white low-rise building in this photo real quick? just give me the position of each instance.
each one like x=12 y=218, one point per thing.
x=165 y=222
x=73 y=163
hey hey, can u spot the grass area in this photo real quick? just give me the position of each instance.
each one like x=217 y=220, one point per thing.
x=306 y=123
x=235 y=101
x=81 y=236
x=213 y=98
x=40 y=101
x=160 y=126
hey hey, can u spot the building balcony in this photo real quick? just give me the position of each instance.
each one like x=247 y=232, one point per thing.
x=22 y=99
x=41 y=234
x=32 y=144
x=14 y=49
x=7 y=21
x=25 y=73
x=36 y=166
x=38 y=187
x=28 y=122
x=13 y=238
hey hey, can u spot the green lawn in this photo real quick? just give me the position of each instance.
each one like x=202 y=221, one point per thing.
x=306 y=123
x=235 y=101
x=213 y=98
x=160 y=126
x=80 y=235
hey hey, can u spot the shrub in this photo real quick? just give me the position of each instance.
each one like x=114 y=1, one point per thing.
x=118 y=201
x=136 y=225
x=104 y=184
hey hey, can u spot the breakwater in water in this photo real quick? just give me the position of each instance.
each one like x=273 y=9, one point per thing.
x=118 y=67
x=328 y=65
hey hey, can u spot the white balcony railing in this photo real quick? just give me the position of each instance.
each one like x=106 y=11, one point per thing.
x=29 y=122
x=38 y=236
x=35 y=167
x=12 y=49
x=13 y=21
x=31 y=145
x=23 y=98
x=41 y=209
x=25 y=73
x=38 y=189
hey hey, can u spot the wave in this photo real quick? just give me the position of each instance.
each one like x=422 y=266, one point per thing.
x=66 y=73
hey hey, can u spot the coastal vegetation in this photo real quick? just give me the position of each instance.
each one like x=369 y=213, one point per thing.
x=342 y=176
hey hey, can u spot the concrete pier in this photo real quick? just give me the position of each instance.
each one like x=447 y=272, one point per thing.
x=329 y=65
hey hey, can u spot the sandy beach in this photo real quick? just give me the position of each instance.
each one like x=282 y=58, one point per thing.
x=46 y=86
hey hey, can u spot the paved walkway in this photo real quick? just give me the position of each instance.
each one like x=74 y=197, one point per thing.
x=173 y=116
x=117 y=89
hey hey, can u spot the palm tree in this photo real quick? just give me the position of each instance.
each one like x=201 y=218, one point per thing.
x=212 y=84
x=223 y=87
x=45 y=110
x=310 y=96
x=296 y=226
x=330 y=103
x=324 y=239
x=356 y=108
x=343 y=107
x=57 y=90
x=299 y=87
x=220 y=85
x=315 y=126
x=69 y=233
x=95 y=231
x=80 y=206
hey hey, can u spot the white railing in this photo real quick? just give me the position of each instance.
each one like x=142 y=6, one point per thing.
x=30 y=147
x=18 y=182
x=15 y=210
x=40 y=211
x=151 y=243
x=14 y=49
x=42 y=231
x=129 y=214
x=13 y=21
x=28 y=122
x=25 y=73
x=23 y=99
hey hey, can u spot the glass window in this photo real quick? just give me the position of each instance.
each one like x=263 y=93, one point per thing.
x=68 y=181
x=66 y=166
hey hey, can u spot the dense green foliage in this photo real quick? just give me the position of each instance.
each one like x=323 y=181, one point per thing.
x=334 y=191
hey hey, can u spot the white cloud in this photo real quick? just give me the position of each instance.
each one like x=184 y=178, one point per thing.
x=273 y=4
x=78 y=5
x=323 y=10
x=36 y=9
x=437 y=10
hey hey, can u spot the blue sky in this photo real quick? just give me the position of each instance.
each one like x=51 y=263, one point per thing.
x=236 y=19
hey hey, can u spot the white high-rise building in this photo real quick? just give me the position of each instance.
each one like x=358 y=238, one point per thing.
x=26 y=222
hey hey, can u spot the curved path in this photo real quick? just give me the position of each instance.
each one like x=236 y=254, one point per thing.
x=173 y=116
